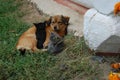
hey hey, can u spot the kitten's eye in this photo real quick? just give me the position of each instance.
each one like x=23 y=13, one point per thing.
x=56 y=38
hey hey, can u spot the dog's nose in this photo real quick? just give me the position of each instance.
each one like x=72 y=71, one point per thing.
x=55 y=28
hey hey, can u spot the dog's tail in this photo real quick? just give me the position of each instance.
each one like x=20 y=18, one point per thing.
x=22 y=51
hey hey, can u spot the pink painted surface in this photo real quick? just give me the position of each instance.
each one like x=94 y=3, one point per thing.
x=73 y=5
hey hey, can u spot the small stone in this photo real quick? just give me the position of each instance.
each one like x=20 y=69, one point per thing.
x=98 y=58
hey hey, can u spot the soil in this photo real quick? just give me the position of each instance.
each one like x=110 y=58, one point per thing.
x=32 y=14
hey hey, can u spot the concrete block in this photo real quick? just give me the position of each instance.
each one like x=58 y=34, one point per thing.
x=101 y=32
x=105 y=6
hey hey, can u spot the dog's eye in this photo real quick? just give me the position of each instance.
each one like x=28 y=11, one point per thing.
x=59 y=22
x=53 y=22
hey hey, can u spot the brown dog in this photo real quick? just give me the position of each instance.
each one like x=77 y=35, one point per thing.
x=28 y=40
x=56 y=24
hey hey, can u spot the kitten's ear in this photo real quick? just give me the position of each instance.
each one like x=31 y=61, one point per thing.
x=36 y=24
x=48 y=22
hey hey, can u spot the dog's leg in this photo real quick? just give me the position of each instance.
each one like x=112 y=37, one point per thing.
x=45 y=44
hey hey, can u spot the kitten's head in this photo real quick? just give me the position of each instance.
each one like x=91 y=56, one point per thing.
x=55 y=38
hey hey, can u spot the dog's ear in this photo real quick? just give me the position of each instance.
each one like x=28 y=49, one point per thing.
x=48 y=22
x=65 y=19
x=66 y=31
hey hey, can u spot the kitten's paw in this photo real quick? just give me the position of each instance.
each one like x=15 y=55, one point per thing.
x=44 y=50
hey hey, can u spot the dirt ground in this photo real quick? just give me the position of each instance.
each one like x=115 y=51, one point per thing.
x=104 y=66
x=33 y=15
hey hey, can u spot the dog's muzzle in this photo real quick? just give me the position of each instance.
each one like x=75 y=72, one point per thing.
x=56 y=29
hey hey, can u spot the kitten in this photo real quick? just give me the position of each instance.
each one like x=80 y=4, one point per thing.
x=40 y=34
x=56 y=43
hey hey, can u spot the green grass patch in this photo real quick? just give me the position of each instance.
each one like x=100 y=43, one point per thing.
x=72 y=63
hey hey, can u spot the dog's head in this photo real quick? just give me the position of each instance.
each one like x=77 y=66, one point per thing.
x=59 y=23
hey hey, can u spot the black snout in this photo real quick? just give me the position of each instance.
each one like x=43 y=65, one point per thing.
x=55 y=28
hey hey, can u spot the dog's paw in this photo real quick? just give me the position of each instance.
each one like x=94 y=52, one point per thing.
x=44 y=50
x=45 y=45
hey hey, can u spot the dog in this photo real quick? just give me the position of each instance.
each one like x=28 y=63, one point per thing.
x=56 y=43
x=58 y=24
x=32 y=39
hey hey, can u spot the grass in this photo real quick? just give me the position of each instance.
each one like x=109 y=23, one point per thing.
x=71 y=64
